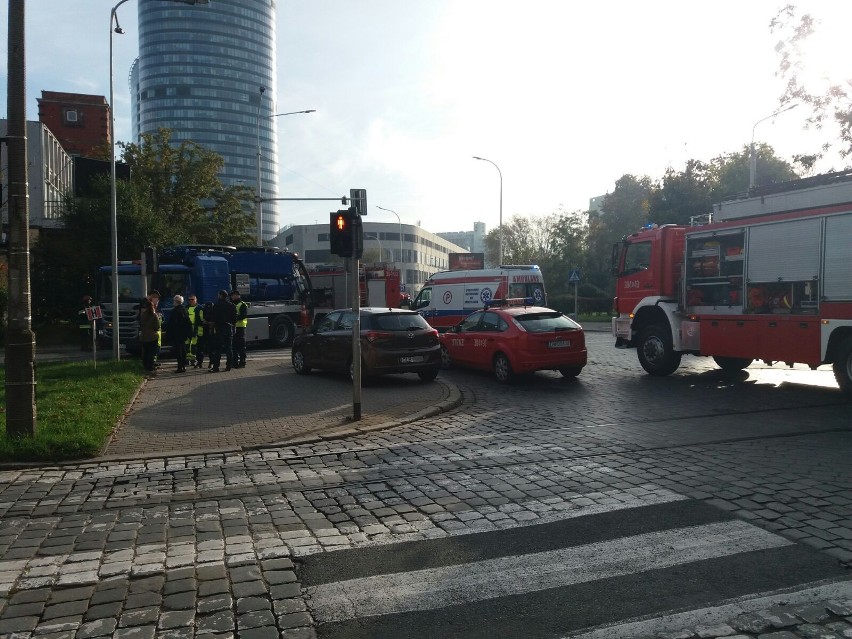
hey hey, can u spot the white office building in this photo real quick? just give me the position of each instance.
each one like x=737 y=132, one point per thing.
x=50 y=173
x=418 y=253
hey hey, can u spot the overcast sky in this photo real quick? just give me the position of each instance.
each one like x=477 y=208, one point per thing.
x=565 y=97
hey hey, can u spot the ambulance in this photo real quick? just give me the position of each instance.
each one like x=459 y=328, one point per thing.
x=449 y=296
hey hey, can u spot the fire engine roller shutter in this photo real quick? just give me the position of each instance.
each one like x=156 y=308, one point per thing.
x=785 y=251
x=838 y=257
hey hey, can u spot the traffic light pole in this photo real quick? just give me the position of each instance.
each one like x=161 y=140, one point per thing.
x=356 y=338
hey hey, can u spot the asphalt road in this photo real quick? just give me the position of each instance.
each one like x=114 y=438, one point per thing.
x=615 y=505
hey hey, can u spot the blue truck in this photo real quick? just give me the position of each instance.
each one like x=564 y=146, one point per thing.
x=274 y=283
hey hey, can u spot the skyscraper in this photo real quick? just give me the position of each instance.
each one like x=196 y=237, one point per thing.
x=208 y=74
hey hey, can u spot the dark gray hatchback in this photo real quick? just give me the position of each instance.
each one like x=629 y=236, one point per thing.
x=392 y=341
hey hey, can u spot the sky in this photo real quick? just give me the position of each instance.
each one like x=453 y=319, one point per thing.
x=564 y=97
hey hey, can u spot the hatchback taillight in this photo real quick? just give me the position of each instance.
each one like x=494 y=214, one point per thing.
x=372 y=336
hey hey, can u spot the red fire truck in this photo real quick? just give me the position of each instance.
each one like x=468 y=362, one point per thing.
x=379 y=286
x=770 y=278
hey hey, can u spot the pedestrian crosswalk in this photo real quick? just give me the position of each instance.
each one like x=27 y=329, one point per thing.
x=553 y=579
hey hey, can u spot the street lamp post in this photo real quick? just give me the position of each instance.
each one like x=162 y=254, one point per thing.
x=258 y=200
x=752 y=156
x=400 y=229
x=375 y=236
x=114 y=27
x=500 y=249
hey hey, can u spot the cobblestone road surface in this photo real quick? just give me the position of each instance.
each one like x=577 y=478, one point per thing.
x=209 y=545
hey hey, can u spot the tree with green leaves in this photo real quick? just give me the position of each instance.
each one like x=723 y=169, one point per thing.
x=174 y=196
x=829 y=103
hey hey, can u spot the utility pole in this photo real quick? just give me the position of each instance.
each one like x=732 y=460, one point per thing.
x=20 y=339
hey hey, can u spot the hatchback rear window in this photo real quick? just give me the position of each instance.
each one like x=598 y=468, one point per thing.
x=399 y=322
x=544 y=322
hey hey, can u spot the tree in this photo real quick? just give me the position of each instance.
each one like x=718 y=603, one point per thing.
x=526 y=240
x=683 y=195
x=184 y=192
x=832 y=103
x=174 y=197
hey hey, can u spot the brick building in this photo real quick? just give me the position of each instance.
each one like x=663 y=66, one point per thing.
x=80 y=122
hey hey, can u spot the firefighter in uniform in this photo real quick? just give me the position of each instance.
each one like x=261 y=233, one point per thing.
x=240 y=330
x=194 y=312
x=85 y=324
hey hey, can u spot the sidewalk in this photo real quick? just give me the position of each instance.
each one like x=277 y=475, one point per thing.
x=264 y=404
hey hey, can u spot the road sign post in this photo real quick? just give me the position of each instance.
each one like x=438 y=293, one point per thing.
x=574 y=276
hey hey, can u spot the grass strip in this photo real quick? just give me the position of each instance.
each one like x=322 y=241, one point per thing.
x=77 y=407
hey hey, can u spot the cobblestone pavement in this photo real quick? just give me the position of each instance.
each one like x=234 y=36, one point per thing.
x=263 y=404
x=209 y=544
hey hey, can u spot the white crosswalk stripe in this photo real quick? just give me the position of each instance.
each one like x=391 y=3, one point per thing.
x=452 y=585
x=556 y=578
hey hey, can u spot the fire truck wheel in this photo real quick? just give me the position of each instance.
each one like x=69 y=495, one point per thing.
x=299 y=364
x=843 y=366
x=656 y=353
x=282 y=331
x=502 y=368
x=732 y=363
x=446 y=360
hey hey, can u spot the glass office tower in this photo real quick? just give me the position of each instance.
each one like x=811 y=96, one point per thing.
x=207 y=72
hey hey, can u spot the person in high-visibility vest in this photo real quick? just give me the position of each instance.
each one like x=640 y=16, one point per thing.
x=85 y=324
x=240 y=329
x=194 y=312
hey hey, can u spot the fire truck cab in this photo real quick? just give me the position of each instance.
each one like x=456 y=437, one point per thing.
x=768 y=279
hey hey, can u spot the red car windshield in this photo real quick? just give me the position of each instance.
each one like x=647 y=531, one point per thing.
x=545 y=322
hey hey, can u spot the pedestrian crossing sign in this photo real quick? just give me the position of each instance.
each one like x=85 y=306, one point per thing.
x=574 y=275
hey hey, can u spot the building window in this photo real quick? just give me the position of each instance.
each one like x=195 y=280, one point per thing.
x=72 y=117
x=288 y=240
x=322 y=237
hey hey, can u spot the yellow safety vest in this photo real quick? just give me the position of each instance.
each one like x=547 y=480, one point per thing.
x=241 y=323
x=191 y=311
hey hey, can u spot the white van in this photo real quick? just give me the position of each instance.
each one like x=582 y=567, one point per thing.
x=449 y=296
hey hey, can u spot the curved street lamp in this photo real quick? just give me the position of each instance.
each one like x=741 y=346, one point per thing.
x=500 y=249
x=398 y=219
x=258 y=200
x=113 y=203
x=752 y=165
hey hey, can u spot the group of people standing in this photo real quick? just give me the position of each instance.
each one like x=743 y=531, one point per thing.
x=194 y=331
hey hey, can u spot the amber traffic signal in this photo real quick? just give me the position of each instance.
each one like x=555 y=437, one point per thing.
x=345 y=233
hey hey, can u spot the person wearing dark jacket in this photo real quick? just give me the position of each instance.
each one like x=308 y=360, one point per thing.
x=149 y=330
x=224 y=316
x=178 y=330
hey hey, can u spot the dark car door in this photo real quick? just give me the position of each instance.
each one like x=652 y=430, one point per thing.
x=338 y=342
x=315 y=349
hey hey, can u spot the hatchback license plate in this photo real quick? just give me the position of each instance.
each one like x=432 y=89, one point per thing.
x=411 y=359
x=559 y=343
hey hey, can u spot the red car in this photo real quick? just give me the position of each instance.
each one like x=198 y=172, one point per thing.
x=509 y=338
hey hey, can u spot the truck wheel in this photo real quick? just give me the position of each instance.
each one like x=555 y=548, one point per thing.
x=282 y=331
x=656 y=353
x=843 y=366
x=732 y=364
x=502 y=368
x=299 y=364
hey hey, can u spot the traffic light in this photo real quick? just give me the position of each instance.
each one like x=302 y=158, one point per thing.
x=341 y=232
x=346 y=233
